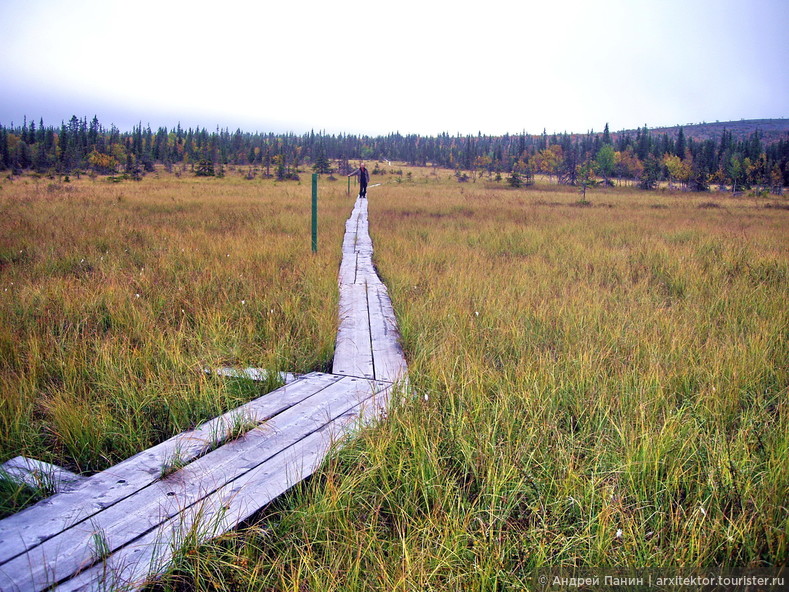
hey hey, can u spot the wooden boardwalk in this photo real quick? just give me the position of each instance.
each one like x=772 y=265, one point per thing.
x=368 y=340
x=116 y=529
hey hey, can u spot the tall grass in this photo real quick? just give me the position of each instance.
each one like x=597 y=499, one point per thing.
x=622 y=367
x=115 y=297
x=591 y=386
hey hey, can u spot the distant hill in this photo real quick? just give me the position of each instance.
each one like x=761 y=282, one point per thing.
x=771 y=130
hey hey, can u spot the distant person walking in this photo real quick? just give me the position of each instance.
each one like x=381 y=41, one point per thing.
x=364 y=179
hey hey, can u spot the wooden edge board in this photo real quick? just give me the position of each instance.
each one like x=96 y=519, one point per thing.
x=31 y=526
x=257 y=374
x=388 y=357
x=347 y=273
x=39 y=474
x=133 y=566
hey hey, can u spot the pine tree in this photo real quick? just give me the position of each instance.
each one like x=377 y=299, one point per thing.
x=93 y=132
x=643 y=143
x=606 y=135
x=679 y=149
x=321 y=165
x=5 y=159
x=205 y=168
x=42 y=132
x=22 y=159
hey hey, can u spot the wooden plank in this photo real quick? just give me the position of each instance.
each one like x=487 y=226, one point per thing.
x=364 y=243
x=132 y=565
x=351 y=227
x=357 y=217
x=35 y=524
x=64 y=554
x=353 y=351
x=349 y=239
x=388 y=359
x=40 y=475
x=350 y=223
x=365 y=271
x=347 y=273
x=257 y=374
x=349 y=244
x=166 y=498
x=364 y=247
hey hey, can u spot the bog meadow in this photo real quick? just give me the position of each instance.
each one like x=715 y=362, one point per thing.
x=597 y=373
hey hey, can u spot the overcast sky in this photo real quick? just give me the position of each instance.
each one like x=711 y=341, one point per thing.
x=424 y=66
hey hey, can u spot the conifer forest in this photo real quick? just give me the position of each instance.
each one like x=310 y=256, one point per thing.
x=741 y=157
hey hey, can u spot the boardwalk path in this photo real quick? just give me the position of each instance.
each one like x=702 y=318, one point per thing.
x=116 y=528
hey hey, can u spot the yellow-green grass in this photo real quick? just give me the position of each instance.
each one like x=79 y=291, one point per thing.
x=115 y=297
x=590 y=385
x=599 y=385
x=622 y=367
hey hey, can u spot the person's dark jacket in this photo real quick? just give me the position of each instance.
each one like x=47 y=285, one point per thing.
x=363 y=174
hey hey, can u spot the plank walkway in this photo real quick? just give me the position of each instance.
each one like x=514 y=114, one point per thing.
x=116 y=529
x=367 y=340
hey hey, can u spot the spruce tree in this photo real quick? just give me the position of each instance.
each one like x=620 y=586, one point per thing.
x=205 y=168
x=606 y=135
x=321 y=165
x=679 y=149
x=5 y=160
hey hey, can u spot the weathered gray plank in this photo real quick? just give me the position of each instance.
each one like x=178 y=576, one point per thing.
x=228 y=506
x=347 y=273
x=259 y=374
x=64 y=554
x=365 y=271
x=48 y=517
x=348 y=246
x=364 y=245
x=388 y=359
x=40 y=474
x=353 y=354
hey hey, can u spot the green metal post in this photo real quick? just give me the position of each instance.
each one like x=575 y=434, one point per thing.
x=314 y=212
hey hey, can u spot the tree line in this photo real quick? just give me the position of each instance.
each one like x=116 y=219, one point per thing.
x=638 y=157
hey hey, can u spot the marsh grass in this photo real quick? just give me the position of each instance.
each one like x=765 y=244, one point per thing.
x=174 y=462
x=622 y=369
x=15 y=495
x=596 y=386
x=114 y=297
x=590 y=386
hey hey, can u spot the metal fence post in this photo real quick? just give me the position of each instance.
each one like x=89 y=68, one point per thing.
x=314 y=212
